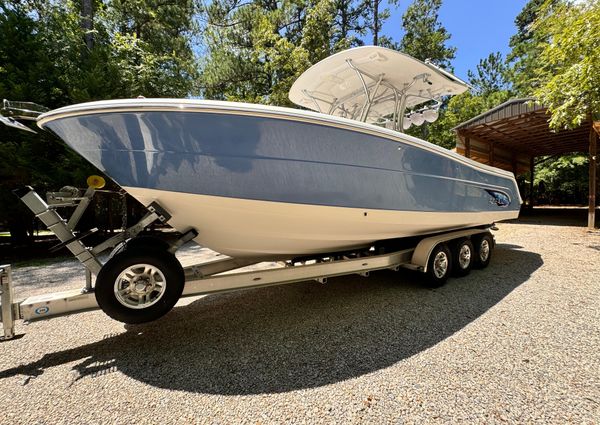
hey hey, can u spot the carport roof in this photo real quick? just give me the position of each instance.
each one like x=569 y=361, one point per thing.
x=521 y=125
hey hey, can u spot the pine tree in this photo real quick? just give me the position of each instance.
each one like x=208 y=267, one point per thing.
x=49 y=55
x=350 y=23
x=255 y=51
x=152 y=39
x=525 y=49
x=490 y=75
x=425 y=38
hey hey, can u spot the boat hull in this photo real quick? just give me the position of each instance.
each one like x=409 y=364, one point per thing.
x=250 y=228
x=263 y=181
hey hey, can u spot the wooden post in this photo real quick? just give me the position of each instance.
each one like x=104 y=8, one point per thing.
x=531 y=168
x=593 y=162
x=467 y=147
x=491 y=153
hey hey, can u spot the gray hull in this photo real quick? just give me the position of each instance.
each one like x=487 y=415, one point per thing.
x=285 y=157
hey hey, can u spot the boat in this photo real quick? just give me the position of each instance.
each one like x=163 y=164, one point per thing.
x=333 y=188
x=259 y=181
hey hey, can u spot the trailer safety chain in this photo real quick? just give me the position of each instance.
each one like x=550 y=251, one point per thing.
x=123 y=197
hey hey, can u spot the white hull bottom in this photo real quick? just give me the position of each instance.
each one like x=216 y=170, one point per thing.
x=264 y=229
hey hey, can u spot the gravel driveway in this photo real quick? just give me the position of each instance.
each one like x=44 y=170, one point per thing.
x=516 y=342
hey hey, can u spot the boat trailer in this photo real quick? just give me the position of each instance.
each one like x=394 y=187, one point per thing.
x=433 y=255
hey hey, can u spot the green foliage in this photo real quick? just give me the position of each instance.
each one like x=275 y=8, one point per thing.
x=567 y=82
x=23 y=61
x=569 y=66
x=458 y=110
x=563 y=180
x=255 y=51
x=29 y=72
x=150 y=43
x=490 y=75
x=139 y=47
x=350 y=24
x=490 y=89
x=525 y=49
x=376 y=15
x=424 y=36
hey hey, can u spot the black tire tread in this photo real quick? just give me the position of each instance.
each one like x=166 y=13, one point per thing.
x=456 y=269
x=162 y=259
x=477 y=239
x=431 y=280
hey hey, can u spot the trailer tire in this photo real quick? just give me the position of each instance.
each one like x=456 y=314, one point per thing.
x=153 y=276
x=484 y=245
x=463 y=256
x=439 y=266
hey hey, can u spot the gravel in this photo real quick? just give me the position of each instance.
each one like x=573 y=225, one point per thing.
x=516 y=342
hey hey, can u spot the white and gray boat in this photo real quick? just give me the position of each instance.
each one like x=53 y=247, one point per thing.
x=271 y=182
x=333 y=191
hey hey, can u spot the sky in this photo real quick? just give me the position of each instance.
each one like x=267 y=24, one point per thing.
x=477 y=27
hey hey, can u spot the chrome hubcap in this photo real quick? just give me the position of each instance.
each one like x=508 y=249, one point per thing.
x=484 y=250
x=440 y=264
x=464 y=256
x=140 y=286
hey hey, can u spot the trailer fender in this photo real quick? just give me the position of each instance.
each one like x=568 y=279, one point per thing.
x=423 y=250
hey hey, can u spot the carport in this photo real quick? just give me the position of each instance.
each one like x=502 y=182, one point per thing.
x=512 y=135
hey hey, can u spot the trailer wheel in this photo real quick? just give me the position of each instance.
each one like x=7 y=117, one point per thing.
x=439 y=266
x=139 y=285
x=484 y=244
x=463 y=256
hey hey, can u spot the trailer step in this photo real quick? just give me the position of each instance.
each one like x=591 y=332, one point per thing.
x=59 y=227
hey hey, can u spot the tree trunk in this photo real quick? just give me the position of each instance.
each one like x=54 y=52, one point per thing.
x=375 y=22
x=18 y=228
x=344 y=23
x=592 y=178
x=87 y=22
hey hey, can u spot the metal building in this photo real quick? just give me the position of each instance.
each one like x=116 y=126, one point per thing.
x=512 y=135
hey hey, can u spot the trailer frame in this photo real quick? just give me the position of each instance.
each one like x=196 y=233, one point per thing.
x=202 y=278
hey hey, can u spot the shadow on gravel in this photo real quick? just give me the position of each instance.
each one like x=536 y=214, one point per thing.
x=297 y=336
